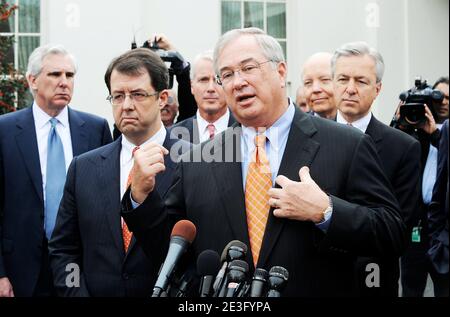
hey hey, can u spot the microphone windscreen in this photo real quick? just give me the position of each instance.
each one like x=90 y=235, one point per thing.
x=240 y=265
x=208 y=263
x=279 y=271
x=185 y=229
x=230 y=244
x=261 y=274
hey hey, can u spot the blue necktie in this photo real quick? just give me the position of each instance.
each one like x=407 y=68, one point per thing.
x=429 y=175
x=56 y=177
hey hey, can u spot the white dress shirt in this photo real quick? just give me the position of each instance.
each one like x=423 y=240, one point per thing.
x=126 y=158
x=42 y=126
x=360 y=124
x=220 y=125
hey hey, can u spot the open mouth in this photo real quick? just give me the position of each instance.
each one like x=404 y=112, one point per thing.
x=244 y=98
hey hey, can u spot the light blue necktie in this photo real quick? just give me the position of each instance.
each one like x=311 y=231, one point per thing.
x=56 y=177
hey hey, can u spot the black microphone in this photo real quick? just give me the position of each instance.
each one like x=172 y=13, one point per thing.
x=259 y=283
x=278 y=277
x=208 y=264
x=234 y=250
x=237 y=273
x=183 y=233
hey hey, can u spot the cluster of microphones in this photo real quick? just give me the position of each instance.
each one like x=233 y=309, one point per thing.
x=220 y=276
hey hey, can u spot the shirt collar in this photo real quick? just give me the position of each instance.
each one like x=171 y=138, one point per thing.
x=221 y=122
x=41 y=118
x=159 y=138
x=360 y=124
x=274 y=133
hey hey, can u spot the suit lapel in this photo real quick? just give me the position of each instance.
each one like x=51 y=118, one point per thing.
x=109 y=176
x=195 y=134
x=228 y=178
x=27 y=144
x=300 y=151
x=163 y=180
x=78 y=133
x=374 y=130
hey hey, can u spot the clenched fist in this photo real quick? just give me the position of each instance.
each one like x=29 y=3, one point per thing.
x=148 y=162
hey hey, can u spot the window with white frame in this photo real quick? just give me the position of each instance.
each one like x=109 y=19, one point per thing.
x=24 y=26
x=268 y=15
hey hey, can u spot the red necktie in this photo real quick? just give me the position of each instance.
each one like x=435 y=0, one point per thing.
x=211 y=130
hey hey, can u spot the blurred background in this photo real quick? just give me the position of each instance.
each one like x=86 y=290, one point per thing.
x=412 y=35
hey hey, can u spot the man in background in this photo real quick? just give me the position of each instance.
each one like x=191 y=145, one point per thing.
x=318 y=85
x=37 y=145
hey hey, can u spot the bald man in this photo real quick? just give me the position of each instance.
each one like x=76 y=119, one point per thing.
x=318 y=85
x=301 y=100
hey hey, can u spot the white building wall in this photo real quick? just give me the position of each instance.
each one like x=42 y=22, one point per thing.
x=412 y=35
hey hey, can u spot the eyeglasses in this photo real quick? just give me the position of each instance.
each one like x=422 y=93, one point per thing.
x=138 y=96
x=250 y=68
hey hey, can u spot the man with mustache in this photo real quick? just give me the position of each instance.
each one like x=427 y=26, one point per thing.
x=37 y=145
x=213 y=115
x=357 y=73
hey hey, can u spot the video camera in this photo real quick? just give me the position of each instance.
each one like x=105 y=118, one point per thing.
x=412 y=113
x=172 y=57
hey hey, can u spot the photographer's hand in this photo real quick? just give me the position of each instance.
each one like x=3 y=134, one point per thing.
x=397 y=117
x=429 y=126
x=162 y=42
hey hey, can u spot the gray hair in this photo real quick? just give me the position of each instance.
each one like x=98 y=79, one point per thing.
x=207 y=55
x=359 y=49
x=270 y=47
x=38 y=55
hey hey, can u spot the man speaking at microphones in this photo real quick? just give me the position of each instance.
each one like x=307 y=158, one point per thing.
x=301 y=192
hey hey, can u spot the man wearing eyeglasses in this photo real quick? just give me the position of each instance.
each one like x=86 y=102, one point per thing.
x=302 y=192
x=93 y=253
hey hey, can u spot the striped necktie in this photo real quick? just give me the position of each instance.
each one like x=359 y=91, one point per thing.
x=258 y=183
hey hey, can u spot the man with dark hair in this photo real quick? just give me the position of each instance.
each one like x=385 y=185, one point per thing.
x=438 y=220
x=36 y=147
x=269 y=182
x=90 y=235
x=415 y=265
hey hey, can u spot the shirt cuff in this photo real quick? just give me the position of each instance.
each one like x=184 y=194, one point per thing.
x=133 y=203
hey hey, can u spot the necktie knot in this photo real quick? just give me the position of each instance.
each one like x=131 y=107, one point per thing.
x=134 y=150
x=260 y=141
x=211 y=129
x=53 y=122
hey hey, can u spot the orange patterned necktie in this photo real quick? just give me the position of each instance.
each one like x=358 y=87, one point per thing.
x=258 y=183
x=126 y=234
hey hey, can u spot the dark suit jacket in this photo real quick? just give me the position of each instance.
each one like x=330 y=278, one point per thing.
x=365 y=221
x=400 y=159
x=190 y=125
x=438 y=212
x=88 y=229
x=21 y=194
